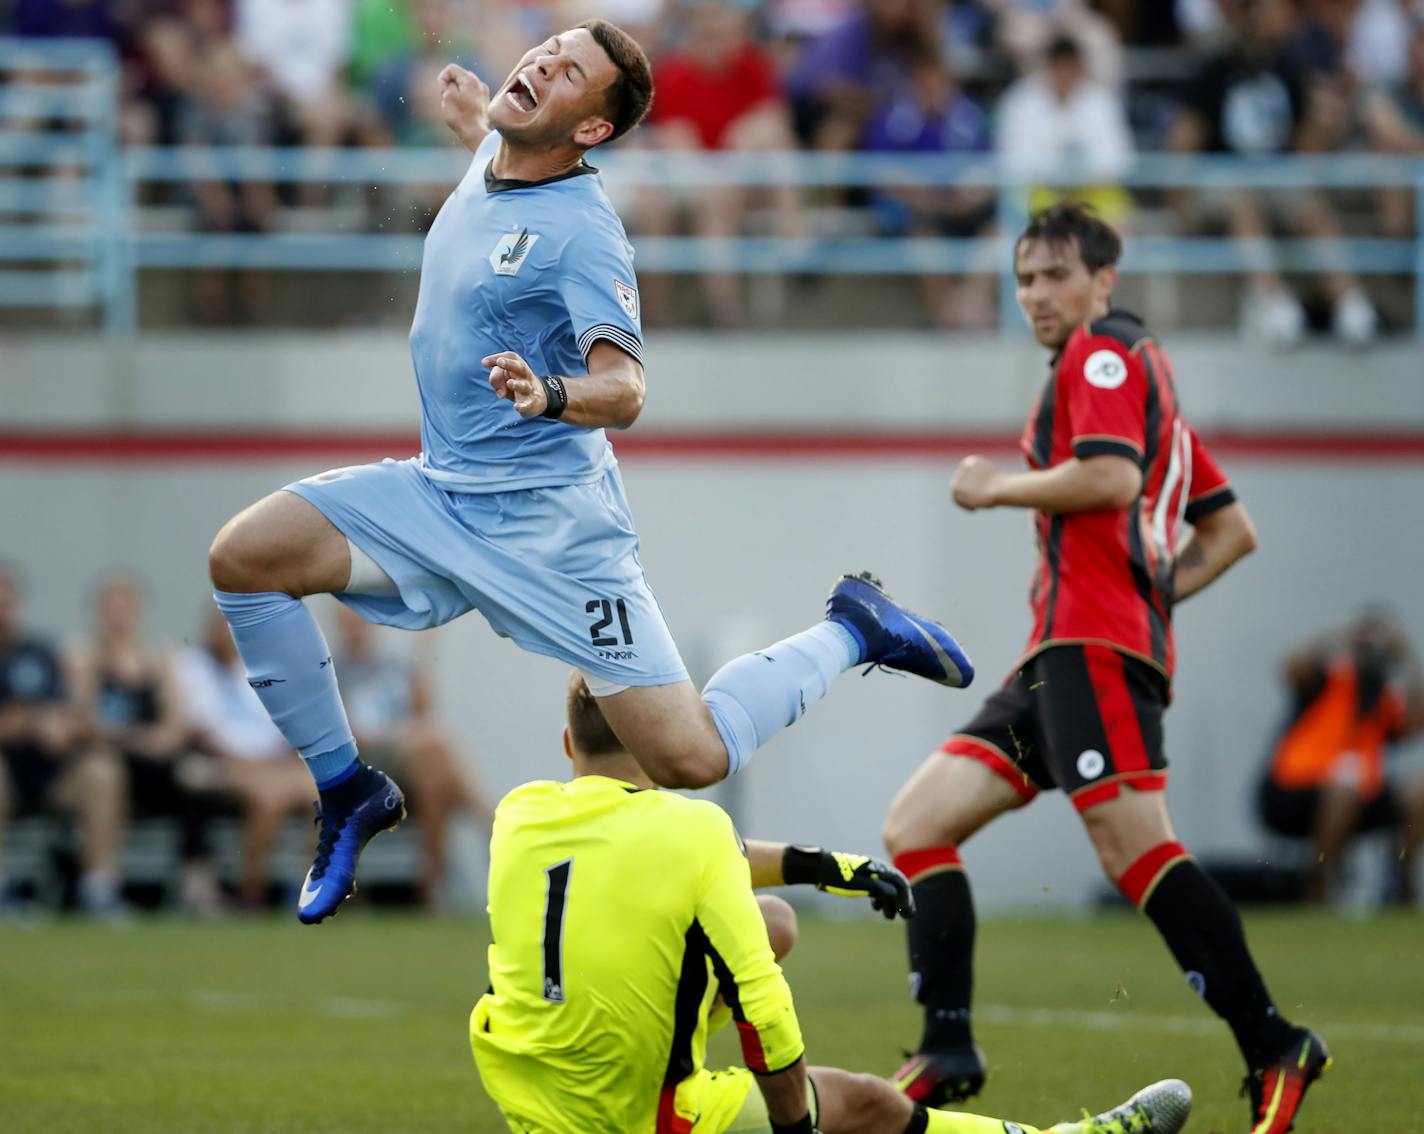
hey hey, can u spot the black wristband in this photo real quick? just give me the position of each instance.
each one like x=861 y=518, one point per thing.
x=555 y=395
x=804 y=1126
x=801 y=866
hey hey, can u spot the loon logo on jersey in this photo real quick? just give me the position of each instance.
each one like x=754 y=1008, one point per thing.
x=511 y=252
x=628 y=298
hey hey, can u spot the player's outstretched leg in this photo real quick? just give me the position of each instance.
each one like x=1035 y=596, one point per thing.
x=279 y=548
x=753 y=697
x=1161 y=1108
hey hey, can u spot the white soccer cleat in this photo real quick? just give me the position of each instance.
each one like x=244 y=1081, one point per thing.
x=1161 y=1108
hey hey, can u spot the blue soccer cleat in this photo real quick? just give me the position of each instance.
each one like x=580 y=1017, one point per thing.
x=343 y=836
x=894 y=637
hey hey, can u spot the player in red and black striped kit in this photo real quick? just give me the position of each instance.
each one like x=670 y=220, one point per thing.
x=1132 y=515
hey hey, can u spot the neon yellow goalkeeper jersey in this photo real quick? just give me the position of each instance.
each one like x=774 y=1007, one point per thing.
x=617 y=916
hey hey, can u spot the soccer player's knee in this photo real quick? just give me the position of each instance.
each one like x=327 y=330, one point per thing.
x=781 y=924
x=231 y=564
x=689 y=768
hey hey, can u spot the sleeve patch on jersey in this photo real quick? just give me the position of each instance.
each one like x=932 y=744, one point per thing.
x=1105 y=369
x=627 y=299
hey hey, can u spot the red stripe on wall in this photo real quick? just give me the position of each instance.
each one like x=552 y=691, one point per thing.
x=156 y=446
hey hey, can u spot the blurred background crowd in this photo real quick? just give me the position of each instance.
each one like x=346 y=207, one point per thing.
x=121 y=729
x=1066 y=91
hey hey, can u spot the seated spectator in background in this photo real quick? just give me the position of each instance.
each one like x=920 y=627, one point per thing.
x=1378 y=43
x=390 y=704
x=46 y=765
x=166 y=43
x=930 y=114
x=1060 y=128
x=302 y=47
x=1026 y=28
x=1259 y=97
x=128 y=697
x=226 y=720
x=1395 y=118
x=1354 y=693
x=840 y=76
x=225 y=105
x=719 y=91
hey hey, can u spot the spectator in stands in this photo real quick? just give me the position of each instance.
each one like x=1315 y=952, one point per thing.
x=390 y=704
x=127 y=694
x=929 y=114
x=302 y=47
x=1061 y=129
x=1395 y=117
x=1263 y=95
x=46 y=765
x=1378 y=45
x=166 y=42
x=1026 y=28
x=719 y=91
x=841 y=75
x=226 y=720
x=66 y=19
x=1354 y=692
x=224 y=105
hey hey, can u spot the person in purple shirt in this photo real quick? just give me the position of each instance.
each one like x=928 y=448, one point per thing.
x=842 y=74
x=928 y=113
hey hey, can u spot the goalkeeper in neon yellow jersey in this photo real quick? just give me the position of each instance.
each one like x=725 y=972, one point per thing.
x=625 y=926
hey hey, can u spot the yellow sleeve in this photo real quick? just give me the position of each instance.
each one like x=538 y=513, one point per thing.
x=750 y=980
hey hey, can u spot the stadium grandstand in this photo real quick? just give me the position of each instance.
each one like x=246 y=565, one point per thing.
x=213 y=216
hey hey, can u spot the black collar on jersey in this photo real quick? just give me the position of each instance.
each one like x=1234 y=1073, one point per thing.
x=495 y=184
x=1115 y=314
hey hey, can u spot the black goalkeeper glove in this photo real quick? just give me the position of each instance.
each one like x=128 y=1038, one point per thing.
x=805 y=1126
x=849 y=876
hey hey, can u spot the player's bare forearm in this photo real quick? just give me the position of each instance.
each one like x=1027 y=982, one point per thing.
x=609 y=396
x=785 y=1093
x=1092 y=485
x=1216 y=542
x=764 y=860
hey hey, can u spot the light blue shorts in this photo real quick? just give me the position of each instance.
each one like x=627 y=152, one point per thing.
x=554 y=569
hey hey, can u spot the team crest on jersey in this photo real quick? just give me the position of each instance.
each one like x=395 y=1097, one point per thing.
x=628 y=297
x=1105 y=369
x=511 y=252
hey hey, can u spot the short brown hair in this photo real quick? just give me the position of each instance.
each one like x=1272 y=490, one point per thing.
x=588 y=727
x=1072 y=222
x=631 y=93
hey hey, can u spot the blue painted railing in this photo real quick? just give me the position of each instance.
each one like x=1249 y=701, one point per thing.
x=92 y=182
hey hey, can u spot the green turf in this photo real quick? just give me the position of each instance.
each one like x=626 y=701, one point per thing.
x=360 y=1025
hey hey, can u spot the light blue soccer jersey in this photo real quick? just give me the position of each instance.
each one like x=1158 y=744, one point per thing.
x=540 y=268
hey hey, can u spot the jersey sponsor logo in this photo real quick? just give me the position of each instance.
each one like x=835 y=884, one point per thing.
x=511 y=252
x=627 y=299
x=1105 y=369
x=1091 y=764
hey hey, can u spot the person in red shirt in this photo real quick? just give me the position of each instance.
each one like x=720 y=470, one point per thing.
x=1132 y=515
x=719 y=91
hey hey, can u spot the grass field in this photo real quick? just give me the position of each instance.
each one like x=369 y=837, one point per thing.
x=360 y=1025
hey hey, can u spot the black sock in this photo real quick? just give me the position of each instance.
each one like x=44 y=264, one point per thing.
x=1204 y=933
x=352 y=790
x=941 y=936
x=919 y=1121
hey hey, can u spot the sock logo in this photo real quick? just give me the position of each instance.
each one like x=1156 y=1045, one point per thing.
x=1091 y=764
x=916 y=980
x=325 y=663
x=1198 y=982
x=267 y=682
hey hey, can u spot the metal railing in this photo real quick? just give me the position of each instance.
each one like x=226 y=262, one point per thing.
x=97 y=181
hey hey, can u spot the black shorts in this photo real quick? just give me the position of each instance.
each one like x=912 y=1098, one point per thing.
x=1292 y=811
x=33 y=774
x=1083 y=718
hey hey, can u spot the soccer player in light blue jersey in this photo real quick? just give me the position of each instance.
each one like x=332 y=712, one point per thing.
x=527 y=345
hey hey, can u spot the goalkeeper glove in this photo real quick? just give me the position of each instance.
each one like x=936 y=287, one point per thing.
x=849 y=876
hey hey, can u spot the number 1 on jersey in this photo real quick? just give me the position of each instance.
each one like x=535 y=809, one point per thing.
x=555 y=898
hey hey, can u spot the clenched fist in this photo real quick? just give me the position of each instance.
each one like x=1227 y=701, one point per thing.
x=464 y=104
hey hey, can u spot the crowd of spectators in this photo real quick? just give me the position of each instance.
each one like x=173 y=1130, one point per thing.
x=120 y=728
x=1065 y=90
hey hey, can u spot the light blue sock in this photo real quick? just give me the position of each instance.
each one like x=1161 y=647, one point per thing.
x=289 y=666
x=757 y=695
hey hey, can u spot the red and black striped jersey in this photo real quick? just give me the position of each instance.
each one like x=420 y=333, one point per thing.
x=1107 y=576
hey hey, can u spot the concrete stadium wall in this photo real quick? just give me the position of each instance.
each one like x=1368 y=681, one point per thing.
x=742 y=548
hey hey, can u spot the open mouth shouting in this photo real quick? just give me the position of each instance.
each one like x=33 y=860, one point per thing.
x=521 y=94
